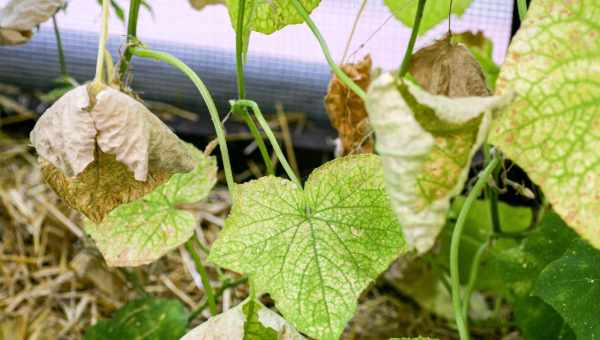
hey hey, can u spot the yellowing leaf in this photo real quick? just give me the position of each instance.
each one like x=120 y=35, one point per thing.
x=19 y=17
x=142 y=231
x=233 y=324
x=551 y=130
x=98 y=152
x=435 y=11
x=314 y=250
x=200 y=4
x=426 y=143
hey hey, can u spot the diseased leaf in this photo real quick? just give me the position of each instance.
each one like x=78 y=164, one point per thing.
x=266 y=16
x=140 y=232
x=426 y=142
x=347 y=111
x=435 y=11
x=551 y=130
x=234 y=323
x=482 y=49
x=147 y=318
x=314 y=250
x=571 y=284
x=19 y=17
x=98 y=152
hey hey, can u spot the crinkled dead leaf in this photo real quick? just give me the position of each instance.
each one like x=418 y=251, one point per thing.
x=347 y=111
x=103 y=151
x=19 y=17
x=314 y=250
x=249 y=320
x=551 y=130
x=200 y=4
x=426 y=142
x=449 y=69
x=482 y=49
x=142 y=231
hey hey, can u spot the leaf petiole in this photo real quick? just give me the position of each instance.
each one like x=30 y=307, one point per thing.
x=265 y=126
x=334 y=67
x=413 y=38
x=208 y=291
x=206 y=96
x=99 y=78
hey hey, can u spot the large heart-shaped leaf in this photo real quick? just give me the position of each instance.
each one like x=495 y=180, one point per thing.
x=426 y=142
x=314 y=250
x=435 y=11
x=551 y=130
x=147 y=318
x=142 y=231
x=571 y=284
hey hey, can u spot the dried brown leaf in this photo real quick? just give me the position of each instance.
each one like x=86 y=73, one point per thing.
x=449 y=69
x=100 y=152
x=347 y=111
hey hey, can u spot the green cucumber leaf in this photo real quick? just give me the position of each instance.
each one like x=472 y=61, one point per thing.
x=266 y=16
x=551 y=129
x=314 y=250
x=519 y=266
x=434 y=13
x=571 y=285
x=426 y=142
x=147 y=318
x=539 y=321
x=142 y=231
x=249 y=320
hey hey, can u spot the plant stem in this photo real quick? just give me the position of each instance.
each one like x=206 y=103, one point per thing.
x=265 y=126
x=226 y=285
x=208 y=291
x=336 y=69
x=99 y=78
x=473 y=277
x=491 y=194
x=455 y=245
x=212 y=108
x=134 y=10
x=361 y=9
x=239 y=68
x=522 y=8
x=59 y=46
x=413 y=38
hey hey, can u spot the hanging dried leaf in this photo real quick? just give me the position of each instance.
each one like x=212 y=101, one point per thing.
x=19 y=17
x=449 y=69
x=347 y=111
x=98 y=152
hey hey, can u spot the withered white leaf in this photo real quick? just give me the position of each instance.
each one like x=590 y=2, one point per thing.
x=19 y=17
x=426 y=143
x=98 y=152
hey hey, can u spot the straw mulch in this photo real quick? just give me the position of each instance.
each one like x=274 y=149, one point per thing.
x=53 y=282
